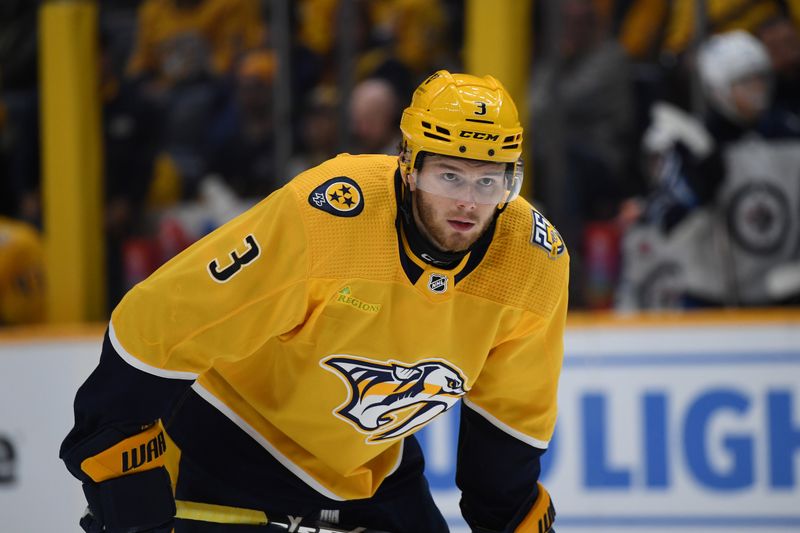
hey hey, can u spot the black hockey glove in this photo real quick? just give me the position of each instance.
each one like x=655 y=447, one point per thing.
x=125 y=480
x=538 y=519
x=135 y=503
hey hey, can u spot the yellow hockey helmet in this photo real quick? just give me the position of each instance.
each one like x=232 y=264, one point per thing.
x=461 y=115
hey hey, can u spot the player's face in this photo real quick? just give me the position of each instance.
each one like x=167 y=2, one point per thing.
x=455 y=200
x=751 y=96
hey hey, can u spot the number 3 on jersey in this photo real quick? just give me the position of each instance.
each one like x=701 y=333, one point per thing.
x=238 y=261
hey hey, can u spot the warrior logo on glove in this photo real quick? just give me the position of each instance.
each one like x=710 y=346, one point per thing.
x=387 y=400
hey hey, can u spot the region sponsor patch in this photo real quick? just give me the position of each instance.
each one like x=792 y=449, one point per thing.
x=345 y=297
x=543 y=234
x=339 y=196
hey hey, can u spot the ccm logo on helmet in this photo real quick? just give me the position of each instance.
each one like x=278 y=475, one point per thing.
x=479 y=135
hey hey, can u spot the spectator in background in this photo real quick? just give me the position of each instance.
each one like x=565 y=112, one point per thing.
x=782 y=41
x=724 y=217
x=649 y=29
x=184 y=49
x=241 y=145
x=419 y=34
x=374 y=114
x=130 y=137
x=318 y=130
x=660 y=36
x=722 y=16
x=19 y=111
x=179 y=39
x=22 y=283
x=376 y=39
x=641 y=27
x=398 y=40
x=117 y=21
x=585 y=92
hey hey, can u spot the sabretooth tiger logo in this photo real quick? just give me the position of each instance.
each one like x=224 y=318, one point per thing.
x=144 y=453
x=387 y=400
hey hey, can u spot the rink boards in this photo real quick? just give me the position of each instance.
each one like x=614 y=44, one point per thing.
x=672 y=423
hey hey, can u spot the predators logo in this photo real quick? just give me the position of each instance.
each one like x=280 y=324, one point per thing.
x=389 y=400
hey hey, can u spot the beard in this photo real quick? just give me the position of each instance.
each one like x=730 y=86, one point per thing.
x=438 y=231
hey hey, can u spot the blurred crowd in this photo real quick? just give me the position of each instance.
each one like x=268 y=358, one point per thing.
x=663 y=137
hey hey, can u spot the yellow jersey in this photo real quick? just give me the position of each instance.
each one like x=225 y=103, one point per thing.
x=22 y=284
x=309 y=322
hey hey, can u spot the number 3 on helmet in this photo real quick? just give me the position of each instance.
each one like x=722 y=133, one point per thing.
x=461 y=115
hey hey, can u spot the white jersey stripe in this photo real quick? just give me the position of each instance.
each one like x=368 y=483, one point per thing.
x=536 y=443
x=250 y=430
x=144 y=367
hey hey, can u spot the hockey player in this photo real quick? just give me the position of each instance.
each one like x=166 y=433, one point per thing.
x=276 y=371
x=720 y=227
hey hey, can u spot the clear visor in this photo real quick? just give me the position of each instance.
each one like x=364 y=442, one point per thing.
x=480 y=184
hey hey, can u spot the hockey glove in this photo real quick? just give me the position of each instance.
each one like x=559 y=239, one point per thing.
x=126 y=484
x=541 y=515
x=130 y=504
x=538 y=519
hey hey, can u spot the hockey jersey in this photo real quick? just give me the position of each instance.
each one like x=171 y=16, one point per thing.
x=727 y=252
x=22 y=284
x=310 y=324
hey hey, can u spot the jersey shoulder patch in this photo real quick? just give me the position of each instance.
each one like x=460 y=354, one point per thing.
x=347 y=204
x=345 y=185
x=527 y=264
x=545 y=235
x=339 y=196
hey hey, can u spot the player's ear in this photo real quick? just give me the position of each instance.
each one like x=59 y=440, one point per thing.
x=411 y=179
x=407 y=172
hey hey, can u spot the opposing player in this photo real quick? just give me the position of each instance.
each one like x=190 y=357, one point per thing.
x=277 y=370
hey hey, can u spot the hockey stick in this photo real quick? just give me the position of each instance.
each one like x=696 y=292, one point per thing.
x=223 y=514
x=219 y=514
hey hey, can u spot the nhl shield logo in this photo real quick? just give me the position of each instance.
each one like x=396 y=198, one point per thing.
x=437 y=283
x=339 y=196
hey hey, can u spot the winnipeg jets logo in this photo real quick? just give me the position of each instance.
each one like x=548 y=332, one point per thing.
x=759 y=217
x=389 y=400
